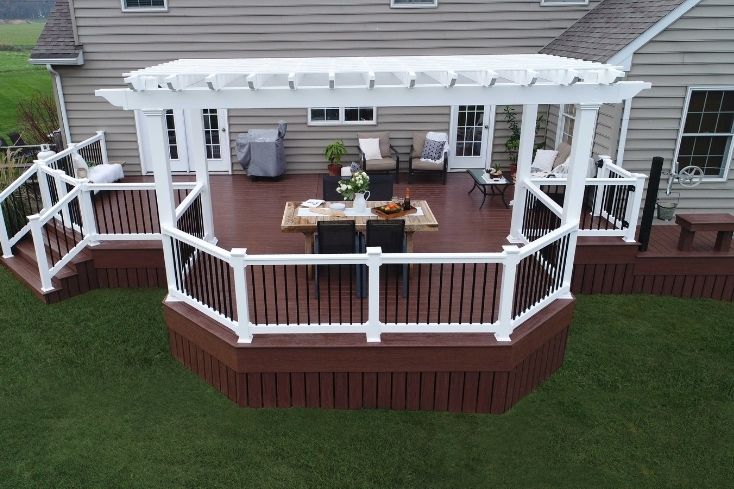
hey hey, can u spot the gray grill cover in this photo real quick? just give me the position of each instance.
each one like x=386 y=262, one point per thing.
x=261 y=152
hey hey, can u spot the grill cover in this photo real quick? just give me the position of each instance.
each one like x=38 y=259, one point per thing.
x=261 y=152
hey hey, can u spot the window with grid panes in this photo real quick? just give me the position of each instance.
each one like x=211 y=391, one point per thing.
x=708 y=130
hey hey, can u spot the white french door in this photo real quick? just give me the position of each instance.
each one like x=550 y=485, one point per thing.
x=186 y=143
x=472 y=127
x=216 y=140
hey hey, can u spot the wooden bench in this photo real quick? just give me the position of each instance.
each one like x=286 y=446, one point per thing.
x=723 y=224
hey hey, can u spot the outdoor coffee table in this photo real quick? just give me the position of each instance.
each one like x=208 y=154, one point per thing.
x=488 y=185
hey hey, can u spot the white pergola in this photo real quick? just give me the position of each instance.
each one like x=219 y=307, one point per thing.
x=527 y=80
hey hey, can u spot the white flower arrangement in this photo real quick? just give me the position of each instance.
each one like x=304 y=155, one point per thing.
x=358 y=184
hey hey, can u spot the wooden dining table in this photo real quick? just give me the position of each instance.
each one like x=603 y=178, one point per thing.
x=293 y=223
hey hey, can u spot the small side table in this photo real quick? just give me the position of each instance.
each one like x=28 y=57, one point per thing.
x=489 y=186
x=723 y=224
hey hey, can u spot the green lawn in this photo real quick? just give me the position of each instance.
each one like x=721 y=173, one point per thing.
x=18 y=79
x=90 y=397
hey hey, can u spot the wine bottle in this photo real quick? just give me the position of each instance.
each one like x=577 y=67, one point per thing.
x=406 y=202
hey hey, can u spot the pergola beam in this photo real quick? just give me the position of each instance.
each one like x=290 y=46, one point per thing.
x=420 y=96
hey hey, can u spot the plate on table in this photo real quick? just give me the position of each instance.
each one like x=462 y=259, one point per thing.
x=337 y=206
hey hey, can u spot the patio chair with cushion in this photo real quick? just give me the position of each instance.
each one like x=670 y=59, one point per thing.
x=328 y=189
x=425 y=159
x=378 y=156
x=336 y=237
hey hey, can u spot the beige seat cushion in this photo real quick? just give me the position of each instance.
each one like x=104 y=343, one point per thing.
x=419 y=140
x=564 y=151
x=426 y=165
x=383 y=164
x=384 y=138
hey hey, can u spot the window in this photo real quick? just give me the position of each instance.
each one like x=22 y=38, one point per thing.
x=171 y=131
x=707 y=131
x=567 y=122
x=211 y=134
x=148 y=5
x=334 y=116
x=557 y=3
x=413 y=3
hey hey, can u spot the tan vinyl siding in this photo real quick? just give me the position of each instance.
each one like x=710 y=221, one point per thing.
x=606 y=138
x=696 y=50
x=116 y=42
x=305 y=144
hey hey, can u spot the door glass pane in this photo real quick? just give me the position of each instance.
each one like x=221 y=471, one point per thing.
x=470 y=124
x=211 y=134
x=171 y=131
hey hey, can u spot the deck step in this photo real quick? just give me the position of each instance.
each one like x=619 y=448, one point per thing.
x=27 y=273
x=27 y=250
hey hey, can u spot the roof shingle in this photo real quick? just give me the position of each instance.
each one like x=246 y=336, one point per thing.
x=57 y=39
x=608 y=28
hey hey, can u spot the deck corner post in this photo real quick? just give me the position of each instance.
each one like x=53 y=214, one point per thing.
x=507 y=292
x=238 y=261
x=524 y=162
x=633 y=211
x=197 y=148
x=43 y=184
x=4 y=238
x=374 y=326
x=41 y=257
x=89 y=223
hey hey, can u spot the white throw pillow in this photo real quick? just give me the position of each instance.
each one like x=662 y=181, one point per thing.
x=544 y=159
x=371 y=148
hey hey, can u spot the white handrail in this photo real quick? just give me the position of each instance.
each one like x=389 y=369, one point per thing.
x=214 y=250
x=18 y=182
x=186 y=203
x=71 y=149
x=547 y=239
x=59 y=174
x=543 y=197
x=64 y=201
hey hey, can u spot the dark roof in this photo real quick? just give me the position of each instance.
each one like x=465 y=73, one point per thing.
x=57 y=38
x=608 y=28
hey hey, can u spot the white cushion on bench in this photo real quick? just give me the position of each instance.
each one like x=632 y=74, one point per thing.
x=106 y=173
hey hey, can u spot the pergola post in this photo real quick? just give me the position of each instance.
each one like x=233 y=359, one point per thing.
x=583 y=142
x=197 y=151
x=524 y=162
x=157 y=137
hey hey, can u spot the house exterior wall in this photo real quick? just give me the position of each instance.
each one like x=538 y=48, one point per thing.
x=696 y=50
x=116 y=42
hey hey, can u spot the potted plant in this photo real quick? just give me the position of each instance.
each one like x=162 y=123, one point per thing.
x=333 y=154
x=495 y=171
x=512 y=143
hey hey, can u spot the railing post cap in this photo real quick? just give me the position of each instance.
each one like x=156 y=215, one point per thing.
x=239 y=252
x=512 y=249
x=374 y=250
x=34 y=217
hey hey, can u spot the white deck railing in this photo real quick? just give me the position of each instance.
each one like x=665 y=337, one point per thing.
x=286 y=295
x=612 y=200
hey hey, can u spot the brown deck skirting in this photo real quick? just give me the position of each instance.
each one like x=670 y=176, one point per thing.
x=442 y=372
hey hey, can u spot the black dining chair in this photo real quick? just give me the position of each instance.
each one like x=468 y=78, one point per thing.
x=328 y=189
x=381 y=187
x=336 y=237
x=390 y=236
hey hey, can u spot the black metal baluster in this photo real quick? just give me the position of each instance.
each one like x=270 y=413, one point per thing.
x=430 y=290
x=275 y=294
x=328 y=284
x=418 y=293
x=339 y=295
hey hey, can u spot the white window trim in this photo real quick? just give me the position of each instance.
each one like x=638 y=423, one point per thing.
x=125 y=8
x=684 y=114
x=393 y=4
x=341 y=121
x=563 y=3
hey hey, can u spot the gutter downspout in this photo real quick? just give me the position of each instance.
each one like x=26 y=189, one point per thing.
x=62 y=103
x=623 y=131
